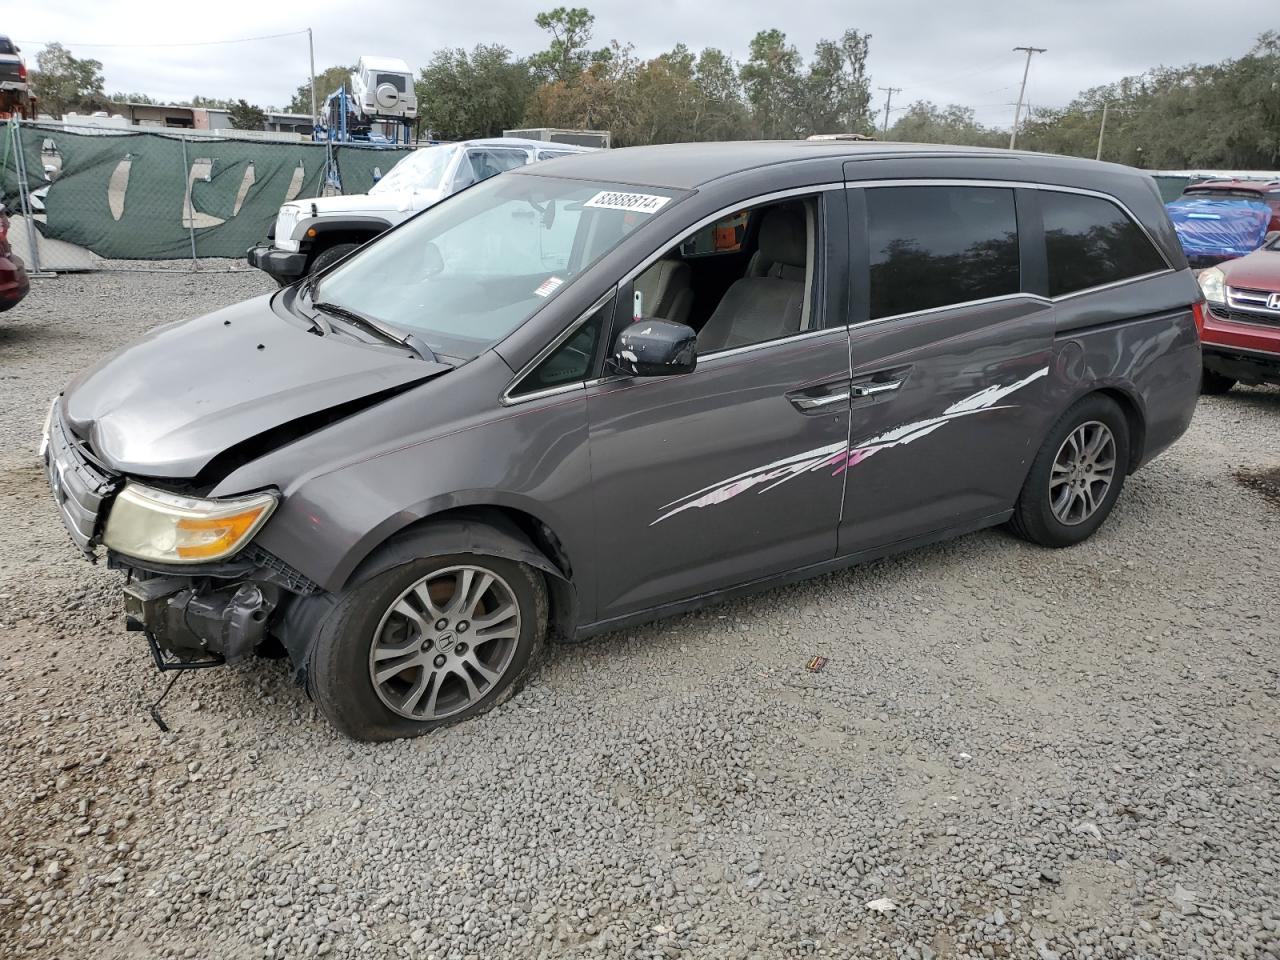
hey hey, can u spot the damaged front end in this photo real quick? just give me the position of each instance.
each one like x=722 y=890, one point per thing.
x=195 y=612
x=221 y=614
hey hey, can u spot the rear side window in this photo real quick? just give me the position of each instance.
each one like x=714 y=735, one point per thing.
x=937 y=246
x=1090 y=241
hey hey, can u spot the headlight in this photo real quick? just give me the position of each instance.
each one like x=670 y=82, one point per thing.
x=1214 y=284
x=151 y=524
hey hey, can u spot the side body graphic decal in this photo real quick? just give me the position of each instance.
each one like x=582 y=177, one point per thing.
x=841 y=456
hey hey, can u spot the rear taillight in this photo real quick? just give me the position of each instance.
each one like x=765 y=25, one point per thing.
x=1197 y=311
x=22 y=70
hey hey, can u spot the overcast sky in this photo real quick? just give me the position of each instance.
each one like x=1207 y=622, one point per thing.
x=943 y=50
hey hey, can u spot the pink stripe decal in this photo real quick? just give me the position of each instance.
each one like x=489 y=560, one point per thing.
x=841 y=456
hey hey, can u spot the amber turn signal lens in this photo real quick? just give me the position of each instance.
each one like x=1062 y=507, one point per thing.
x=206 y=537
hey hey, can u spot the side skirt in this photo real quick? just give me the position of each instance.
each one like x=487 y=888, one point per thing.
x=677 y=607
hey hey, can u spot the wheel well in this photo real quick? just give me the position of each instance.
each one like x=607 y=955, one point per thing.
x=331 y=238
x=1137 y=425
x=561 y=592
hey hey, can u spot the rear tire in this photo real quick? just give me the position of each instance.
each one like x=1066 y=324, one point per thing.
x=419 y=616
x=1076 y=477
x=1215 y=384
x=331 y=255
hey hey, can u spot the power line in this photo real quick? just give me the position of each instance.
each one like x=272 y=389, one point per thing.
x=197 y=43
x=1017 y=113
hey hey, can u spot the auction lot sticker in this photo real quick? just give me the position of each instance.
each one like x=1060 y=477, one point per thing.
x=634 y=202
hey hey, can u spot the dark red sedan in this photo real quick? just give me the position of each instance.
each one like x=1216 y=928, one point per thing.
x=1241 y=337
x=13 y=274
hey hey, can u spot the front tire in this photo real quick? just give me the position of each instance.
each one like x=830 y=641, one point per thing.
x=1077 y=475
x=328 y=257
x=427 y=644
x=1215 y=384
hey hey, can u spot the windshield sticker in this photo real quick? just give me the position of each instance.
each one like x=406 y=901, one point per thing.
x=547 y=287
x=842 y=456
x=632 y=202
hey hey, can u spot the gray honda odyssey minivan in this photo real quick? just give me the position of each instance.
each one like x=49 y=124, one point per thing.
x=616 y=386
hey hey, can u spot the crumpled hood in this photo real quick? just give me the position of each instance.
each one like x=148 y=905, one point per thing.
x=1219 y=228
x=170 y=403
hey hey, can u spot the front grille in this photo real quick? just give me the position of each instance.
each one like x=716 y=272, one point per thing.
x=79 y=486
x=1247 y=306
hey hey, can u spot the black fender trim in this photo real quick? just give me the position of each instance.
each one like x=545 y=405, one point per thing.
x=335 y=223
x=485 y=533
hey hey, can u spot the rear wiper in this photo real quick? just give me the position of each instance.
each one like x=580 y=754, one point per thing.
x=410 y=341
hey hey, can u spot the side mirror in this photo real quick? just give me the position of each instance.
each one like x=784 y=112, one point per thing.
x=656 y=348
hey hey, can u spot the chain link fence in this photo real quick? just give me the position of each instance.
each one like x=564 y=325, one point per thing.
x=110 y=198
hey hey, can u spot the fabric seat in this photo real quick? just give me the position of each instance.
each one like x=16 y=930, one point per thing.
x=759 y=308
x=665 y=290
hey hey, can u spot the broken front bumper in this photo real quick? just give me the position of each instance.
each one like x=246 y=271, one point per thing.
x=191 y=625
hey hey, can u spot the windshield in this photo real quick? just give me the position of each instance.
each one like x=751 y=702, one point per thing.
x=421 y=170
x=466 y=272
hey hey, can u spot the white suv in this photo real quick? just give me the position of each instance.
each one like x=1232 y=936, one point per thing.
x=383 y=87
x=310 y=235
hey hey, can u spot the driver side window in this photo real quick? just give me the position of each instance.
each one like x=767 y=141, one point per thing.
x=748 y=278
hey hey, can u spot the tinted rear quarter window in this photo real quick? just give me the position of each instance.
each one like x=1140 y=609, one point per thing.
x=6 y=47
x=936 y=246
x=1090 y=241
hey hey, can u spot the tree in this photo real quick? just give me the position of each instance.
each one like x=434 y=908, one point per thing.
x=1218 y=116
x=133 y=98
x=598 y=99
x=722 y=113
x=925 y=122
x=771 y=80
x=568 y=55
x=245 y=116
x=64 y=83
x=463 y=96
x=211 y=103
x=327 y=81
x=834 y=96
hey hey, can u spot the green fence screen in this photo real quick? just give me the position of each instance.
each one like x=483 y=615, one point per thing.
x=144 y=196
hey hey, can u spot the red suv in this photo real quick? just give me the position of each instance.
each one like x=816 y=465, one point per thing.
x=13 y=275
x=1241 y=338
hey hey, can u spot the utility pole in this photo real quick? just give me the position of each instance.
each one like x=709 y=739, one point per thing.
x=1017 y=113
x=888 y=99
x=1103 y=128
x=311 y=46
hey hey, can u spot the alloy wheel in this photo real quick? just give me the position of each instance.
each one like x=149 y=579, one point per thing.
x=1082 y=472
x=444 y=642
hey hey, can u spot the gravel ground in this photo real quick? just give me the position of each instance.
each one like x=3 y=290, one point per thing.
x=1026 y=753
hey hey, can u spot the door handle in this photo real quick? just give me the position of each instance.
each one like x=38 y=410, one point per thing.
x=871 y=389
x=817 y=403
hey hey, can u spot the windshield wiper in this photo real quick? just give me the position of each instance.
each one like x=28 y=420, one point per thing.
x=410 y=341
